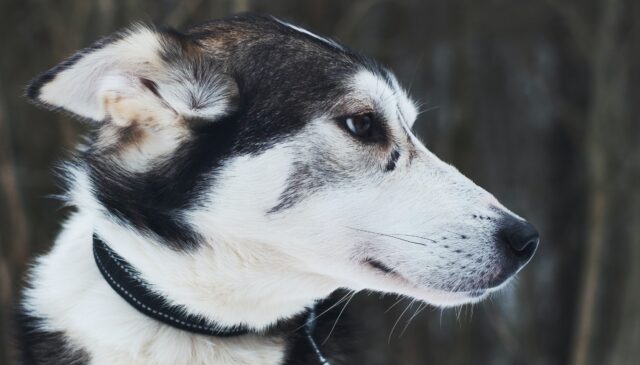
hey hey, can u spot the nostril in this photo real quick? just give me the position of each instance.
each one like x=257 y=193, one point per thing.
x=521 y=236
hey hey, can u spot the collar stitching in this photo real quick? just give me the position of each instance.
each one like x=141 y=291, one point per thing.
x=132 y=297
x=208 y=330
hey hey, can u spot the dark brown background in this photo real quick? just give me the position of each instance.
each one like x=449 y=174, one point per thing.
x=538 y=101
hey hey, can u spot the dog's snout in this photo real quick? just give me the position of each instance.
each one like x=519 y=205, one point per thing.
x=521 y=237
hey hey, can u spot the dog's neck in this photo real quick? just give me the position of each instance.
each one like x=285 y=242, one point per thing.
x=228 y=283
x=224 y=285
x=125 y=280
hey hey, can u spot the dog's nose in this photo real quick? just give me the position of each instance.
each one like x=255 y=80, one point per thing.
x=521 y=237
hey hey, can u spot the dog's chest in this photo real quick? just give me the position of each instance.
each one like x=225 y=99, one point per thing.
x=176 y=347
x=200 y=351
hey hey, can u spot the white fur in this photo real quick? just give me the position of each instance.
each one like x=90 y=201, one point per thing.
x=255 y=267
x=116 y=67
x=75 y=88
x=392 y=99
x=107 y=84
x=70 y=292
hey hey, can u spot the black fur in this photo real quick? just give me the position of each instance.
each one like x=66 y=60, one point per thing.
x=40 y=347
x=283 y=78
x=391 y=165
x=153 y=201
x=332 y=334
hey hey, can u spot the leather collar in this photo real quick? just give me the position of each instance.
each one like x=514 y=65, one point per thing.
x=127 y=282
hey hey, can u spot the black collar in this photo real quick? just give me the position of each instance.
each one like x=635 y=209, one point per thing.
x=126 y=281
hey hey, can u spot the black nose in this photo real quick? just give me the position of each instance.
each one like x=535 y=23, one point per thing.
x=521 y=237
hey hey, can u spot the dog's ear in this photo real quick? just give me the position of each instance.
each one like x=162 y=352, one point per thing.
x=141 y=74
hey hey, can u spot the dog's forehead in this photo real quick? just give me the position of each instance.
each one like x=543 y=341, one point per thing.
x=279 y=59
x=262 y=47
x=242 y=32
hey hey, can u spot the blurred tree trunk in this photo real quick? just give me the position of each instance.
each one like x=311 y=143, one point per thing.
x=536 y=101
x=14 y=244
x=608 y=148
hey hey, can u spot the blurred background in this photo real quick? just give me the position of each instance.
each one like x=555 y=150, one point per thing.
x=537 y=101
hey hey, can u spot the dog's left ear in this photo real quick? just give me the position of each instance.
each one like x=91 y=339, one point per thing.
x=142 y=74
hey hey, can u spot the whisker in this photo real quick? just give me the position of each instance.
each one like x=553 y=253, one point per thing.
x=411 y=235
x=337 y=303
x=398 y=320
x=415 y=70
x=473 y=305
x=435 y=107
x=387 y=235
x=420 y=308
x=337 y=319
x=394 y=304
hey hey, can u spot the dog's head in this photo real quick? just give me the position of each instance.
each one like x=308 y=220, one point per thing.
x=253 y=130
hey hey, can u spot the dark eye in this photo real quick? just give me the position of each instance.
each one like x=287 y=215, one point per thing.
x=359 y=125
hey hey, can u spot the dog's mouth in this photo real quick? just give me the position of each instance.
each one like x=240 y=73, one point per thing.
x=383 y=270
x=434 y=296
x=379 y=266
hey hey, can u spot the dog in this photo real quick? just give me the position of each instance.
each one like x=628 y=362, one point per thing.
x=236 y=174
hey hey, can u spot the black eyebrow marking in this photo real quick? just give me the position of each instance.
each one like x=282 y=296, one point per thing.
x=391 y=165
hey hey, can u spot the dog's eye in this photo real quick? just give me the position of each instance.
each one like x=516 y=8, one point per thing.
x=359 y=125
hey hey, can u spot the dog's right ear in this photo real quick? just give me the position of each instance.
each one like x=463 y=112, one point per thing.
x=141 y=74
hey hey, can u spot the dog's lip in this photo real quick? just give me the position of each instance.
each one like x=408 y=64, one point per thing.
x=477 y=293
x=382 y=269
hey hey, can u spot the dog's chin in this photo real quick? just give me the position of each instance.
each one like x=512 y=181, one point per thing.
x=445 y=299
x=388 y=280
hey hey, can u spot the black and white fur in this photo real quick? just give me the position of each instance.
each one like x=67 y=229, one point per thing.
x=221 y=167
